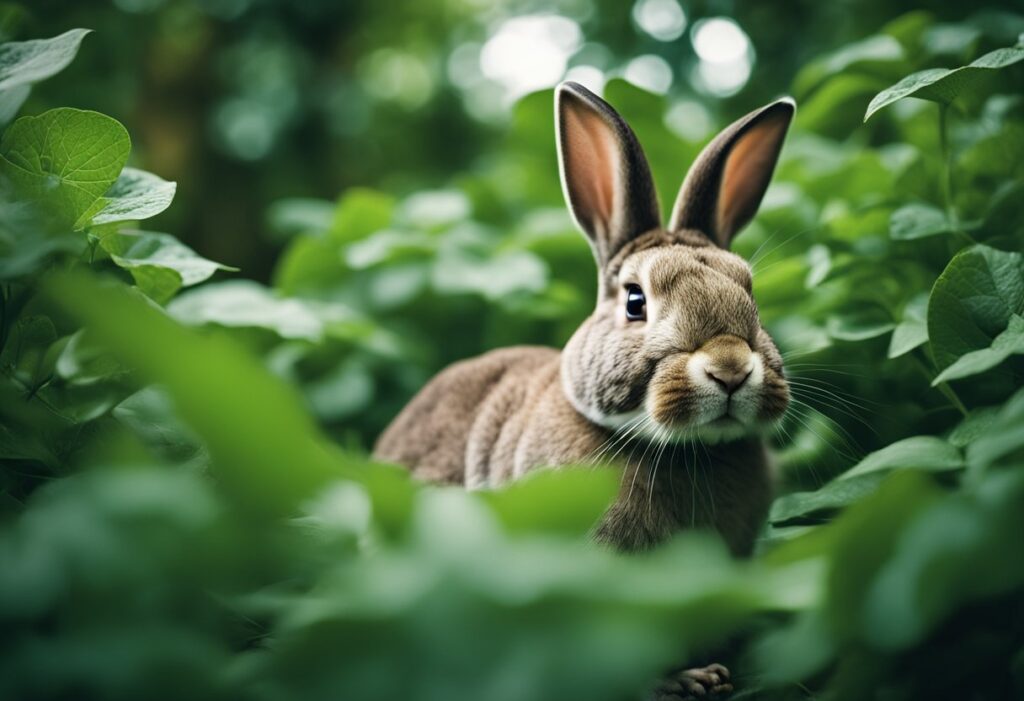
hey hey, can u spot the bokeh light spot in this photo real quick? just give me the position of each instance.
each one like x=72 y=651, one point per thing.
x=662 y=19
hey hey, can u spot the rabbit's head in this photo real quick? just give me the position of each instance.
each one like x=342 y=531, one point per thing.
x=675 y=346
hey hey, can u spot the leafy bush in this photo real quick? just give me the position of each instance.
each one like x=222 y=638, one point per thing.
x=188 y=511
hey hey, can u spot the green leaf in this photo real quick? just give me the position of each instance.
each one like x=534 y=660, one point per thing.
x=912 y=331
x=917 y=221
x=135 y=195
x=159 y=263
x=973 y=300
x=361 y=212
x=568 y=501
x=1003 y=435
x=834 y=495
x=223 y=393
x=244 y=303
x=23 y=63
x=919 y=452
x=64 y=159
x=1009 y=342
x=943 y=85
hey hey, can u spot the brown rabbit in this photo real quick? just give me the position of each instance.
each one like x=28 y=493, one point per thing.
x=671 y=378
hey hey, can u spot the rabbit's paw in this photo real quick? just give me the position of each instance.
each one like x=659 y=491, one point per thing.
x=711 y=682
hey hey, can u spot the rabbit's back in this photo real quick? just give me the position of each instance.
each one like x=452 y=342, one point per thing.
x=469 y=417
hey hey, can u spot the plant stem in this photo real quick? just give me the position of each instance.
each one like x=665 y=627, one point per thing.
x=943 y=387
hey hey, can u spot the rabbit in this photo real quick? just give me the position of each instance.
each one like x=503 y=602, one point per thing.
x=672 y=378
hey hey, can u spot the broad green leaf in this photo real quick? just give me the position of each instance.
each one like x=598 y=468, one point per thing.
x=64 y=160
x=916 y=221
x=943 y=85
x=919 y=452
x=912 y=331
x=973 y=300
x=159 y=263
x=361 y=212
x=26 y=62
x=23 y=63
x=834 y=495
x=1003 y=435
x=135 y=195
x=265 y=448
x=1009 y=342
x=244 y=303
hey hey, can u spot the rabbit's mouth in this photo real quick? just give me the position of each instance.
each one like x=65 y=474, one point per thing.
x=690 y=394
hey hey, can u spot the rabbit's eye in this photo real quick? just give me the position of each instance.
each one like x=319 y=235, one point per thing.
x=636 y=303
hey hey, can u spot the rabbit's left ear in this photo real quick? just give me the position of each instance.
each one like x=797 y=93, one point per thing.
x=725 y=185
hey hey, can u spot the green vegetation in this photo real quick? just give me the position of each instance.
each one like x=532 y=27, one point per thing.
x=186 y=505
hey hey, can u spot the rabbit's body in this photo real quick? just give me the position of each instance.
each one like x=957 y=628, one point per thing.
x=491 y=419
x=668 y=379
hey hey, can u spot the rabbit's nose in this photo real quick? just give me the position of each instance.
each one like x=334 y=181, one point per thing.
x=729 y=379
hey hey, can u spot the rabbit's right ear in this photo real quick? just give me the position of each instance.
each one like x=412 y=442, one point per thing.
x=605 y=176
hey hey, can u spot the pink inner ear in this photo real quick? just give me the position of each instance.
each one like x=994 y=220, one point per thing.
x=748 y=169
x=591 y=167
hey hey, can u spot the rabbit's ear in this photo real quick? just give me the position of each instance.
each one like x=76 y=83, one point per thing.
x=605 y=176
x=725 y=185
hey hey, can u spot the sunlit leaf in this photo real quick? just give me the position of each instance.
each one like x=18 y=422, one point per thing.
x=64 y=159
x=135 y=195
x=159 y=263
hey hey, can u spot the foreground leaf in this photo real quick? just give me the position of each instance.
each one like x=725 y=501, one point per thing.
x=64 y=160
x=918 y=452
x=943 y=85
x=265 y=447
x=23 y=63
x=135 y=195
x=1009 y=342
x=159 y=263
x=973 y=300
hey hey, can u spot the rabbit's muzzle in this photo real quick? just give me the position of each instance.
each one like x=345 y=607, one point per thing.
x=724 y=384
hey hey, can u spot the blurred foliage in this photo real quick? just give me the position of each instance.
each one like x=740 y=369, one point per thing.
x=187 y=510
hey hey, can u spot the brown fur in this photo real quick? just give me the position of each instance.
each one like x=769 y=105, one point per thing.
x=626 y=392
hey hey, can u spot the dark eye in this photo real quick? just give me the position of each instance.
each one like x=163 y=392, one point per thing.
x=636 y=303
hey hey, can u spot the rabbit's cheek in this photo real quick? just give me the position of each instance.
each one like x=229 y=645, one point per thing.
x=672 y=397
